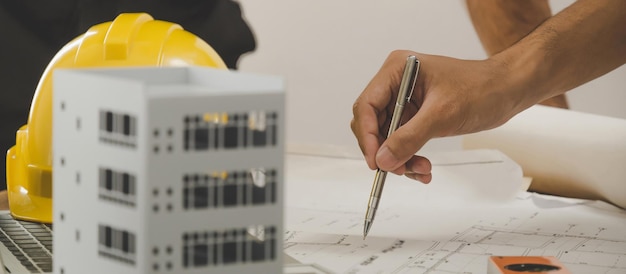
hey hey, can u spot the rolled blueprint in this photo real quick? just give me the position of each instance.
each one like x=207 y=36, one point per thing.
x=566 y=152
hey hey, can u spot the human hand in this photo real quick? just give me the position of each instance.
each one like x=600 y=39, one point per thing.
x=451 y=97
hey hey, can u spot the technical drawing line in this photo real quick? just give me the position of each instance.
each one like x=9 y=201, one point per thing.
x=526 y=232
x=444 y=259
x=469 y=163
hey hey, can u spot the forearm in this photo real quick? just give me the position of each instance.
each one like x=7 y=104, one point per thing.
x=501 y=23
x=581 y=43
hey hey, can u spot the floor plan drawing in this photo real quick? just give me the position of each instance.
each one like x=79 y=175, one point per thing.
x=440 y=228
x=583 y=248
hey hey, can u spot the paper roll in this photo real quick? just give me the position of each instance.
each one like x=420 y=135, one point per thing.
x=566 y=152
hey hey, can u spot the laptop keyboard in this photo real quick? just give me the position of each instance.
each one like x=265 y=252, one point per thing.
x=31 y=243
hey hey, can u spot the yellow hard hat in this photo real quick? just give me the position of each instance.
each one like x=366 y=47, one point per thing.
x=131 y=39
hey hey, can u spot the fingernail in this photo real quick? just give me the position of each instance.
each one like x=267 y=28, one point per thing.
x=421 y=167
x=413 y=176
x=424 y=178
x=385 y=159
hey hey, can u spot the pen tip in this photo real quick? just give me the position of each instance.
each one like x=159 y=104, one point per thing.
x=366 y=228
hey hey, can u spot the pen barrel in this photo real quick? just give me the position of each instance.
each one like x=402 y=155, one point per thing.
x=377 y=188
x=407 y=84
x=370 y=214
x=395 y=119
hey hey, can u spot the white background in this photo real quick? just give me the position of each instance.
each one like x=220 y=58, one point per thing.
x=328 y=50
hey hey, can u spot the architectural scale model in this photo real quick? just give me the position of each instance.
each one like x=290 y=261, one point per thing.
x=167 y=170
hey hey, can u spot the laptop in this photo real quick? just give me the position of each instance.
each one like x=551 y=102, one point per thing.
x=25 y=247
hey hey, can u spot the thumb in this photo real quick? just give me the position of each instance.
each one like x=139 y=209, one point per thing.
x=404 y=143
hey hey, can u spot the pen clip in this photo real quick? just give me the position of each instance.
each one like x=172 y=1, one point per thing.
x=416 y=69
x=409 y=78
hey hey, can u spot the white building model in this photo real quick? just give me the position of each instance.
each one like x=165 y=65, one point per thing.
x=167 y=170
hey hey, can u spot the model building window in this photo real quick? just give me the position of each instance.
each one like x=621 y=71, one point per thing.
x=116 y=244
x=229 y=189
x=117 y=186
x=118 y=128
x=212 y=248
x=214 y=130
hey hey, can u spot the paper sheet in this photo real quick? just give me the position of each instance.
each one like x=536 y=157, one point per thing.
x=449 y=226
x=586 y=152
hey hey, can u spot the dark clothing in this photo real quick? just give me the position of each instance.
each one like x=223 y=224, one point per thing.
x=32 y=31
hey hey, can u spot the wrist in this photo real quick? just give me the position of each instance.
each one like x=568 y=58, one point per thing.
x=523 y=75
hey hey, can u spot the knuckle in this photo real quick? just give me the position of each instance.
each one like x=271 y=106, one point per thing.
x=353 y=125
x=355 y=107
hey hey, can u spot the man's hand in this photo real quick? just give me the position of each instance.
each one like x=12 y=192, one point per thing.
x=451 y=97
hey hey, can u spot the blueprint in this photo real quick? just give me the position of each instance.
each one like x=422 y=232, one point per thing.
x=414 y=232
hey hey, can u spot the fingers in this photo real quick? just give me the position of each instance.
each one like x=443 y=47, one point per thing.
x=404 y=142
x=365 y=126
x=367 y=137
x=416 y=168
x=419 y=168
x=369 y=112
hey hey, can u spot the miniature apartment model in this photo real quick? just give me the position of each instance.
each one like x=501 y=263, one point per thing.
x=167 y=170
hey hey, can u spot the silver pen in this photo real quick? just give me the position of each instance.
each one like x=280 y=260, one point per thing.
x=407 y=84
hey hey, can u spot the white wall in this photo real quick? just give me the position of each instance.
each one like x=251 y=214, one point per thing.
x=328 y=50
